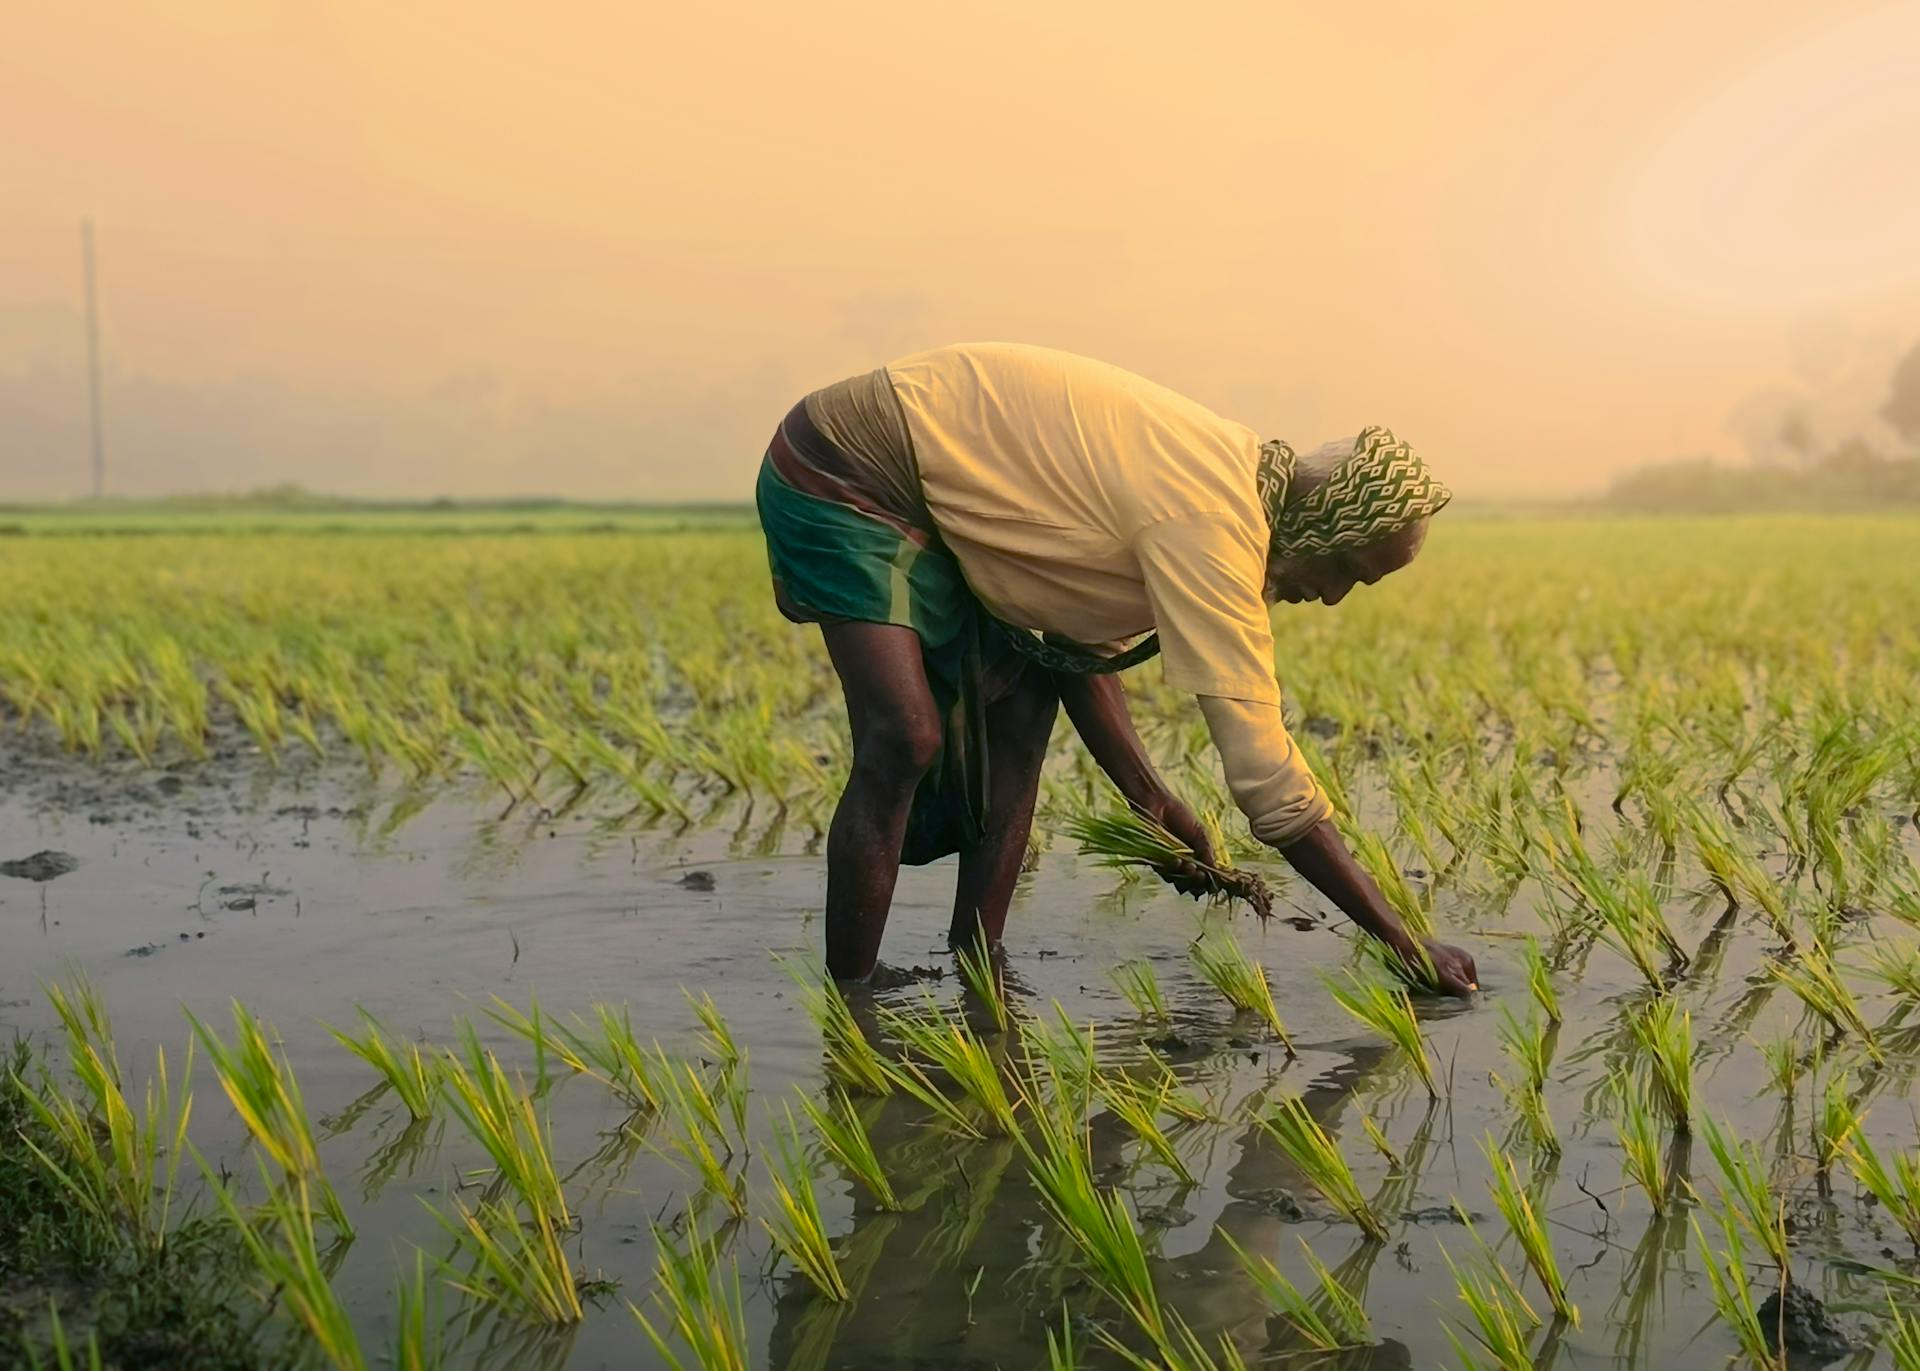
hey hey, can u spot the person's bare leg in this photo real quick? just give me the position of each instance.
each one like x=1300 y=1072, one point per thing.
x=896 y=735
x=1018 y=729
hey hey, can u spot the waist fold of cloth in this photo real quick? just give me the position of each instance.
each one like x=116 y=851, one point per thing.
x=862 y=417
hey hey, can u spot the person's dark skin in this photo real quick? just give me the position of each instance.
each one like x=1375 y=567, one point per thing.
x=896 y=734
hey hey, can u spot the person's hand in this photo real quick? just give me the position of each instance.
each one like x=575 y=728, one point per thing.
x=1452 y=968
x=1188 y=878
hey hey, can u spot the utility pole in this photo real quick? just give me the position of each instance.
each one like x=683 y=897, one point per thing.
x=93 y=362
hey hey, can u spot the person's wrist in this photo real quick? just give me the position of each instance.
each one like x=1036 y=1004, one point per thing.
x=1154 y=802
x=1396 y=935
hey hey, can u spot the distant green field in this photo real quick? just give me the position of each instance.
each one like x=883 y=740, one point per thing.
x=246 y=516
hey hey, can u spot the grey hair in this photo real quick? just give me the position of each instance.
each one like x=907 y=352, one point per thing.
x=1311 y=469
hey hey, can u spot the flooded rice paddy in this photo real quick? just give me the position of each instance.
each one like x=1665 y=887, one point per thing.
x=309 y=889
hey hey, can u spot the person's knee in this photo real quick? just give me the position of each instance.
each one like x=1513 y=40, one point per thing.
x=897 y=751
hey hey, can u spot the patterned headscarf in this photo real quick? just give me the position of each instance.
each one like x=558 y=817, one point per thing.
x=1379 y=490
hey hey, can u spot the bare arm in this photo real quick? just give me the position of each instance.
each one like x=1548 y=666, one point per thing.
x=1098 y=707
x=1322 y=858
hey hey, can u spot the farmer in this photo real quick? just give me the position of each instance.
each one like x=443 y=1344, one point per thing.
x=980 y=530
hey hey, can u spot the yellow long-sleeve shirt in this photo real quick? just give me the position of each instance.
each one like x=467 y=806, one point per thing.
x=1087 y=501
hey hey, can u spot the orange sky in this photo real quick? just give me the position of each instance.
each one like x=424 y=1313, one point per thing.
x=423 y=248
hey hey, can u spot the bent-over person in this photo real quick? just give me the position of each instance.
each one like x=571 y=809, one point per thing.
x=985 y=532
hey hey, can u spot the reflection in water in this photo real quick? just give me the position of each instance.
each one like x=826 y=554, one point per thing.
x=606 y=1167
x=1641 y=1303
x=333 y=1125
x=816 y=1328
x=494 y=1341
x=418 y=1141
x=973 y=1217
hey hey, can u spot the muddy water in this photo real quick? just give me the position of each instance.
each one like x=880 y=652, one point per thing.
x=300 y=896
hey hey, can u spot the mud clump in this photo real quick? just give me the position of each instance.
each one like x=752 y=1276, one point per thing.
x=1805 y=1324
x=1232 y=883
x=886 y=977
x=41 y=866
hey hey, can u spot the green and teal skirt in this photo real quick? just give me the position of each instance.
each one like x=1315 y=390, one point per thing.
x=843 y=548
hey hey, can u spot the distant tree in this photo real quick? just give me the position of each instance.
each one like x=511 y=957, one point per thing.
x=1796 y=433
x=1902 y=409
x=1852 y=476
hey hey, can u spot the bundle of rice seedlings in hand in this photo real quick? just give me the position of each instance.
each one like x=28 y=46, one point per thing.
x=1124 y=838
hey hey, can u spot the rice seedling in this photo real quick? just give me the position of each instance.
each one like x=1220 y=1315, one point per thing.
x=501 y=1116
x=697 y=1136
x=606 y=1050
x=1060 y=1164
x=1329 y=1320
x=1219 y=957
x=1902 y=1337
x=1318 y=1157
x=416 y=1343
x=61 y=1349
x=1141 y=988
x=1643 y=1150
x=1064 y=1053
x=1138 y=1107
x=119 y=1164
x=699 y=1305
x=1896 y=968
x=513 y=1236
x=1527 y=1227
x=846 y=1140
x=515 y=1265
x=1388 y=1012
x=1501 y=1322
x=1540 y=979
x=1897 y=1188
x=1380 y=1142
x=282 y=1246
x=983 y=979
x=412 y=1074
x=1413 y=967
x=1836 y=1122
x=1371 y=851
x=266 y=1095
x=1664 y=1035
x=851 y=1058
x=1732 y=1294
x=1060 y=1353
x=1738 y=874
x=1130 y=840
x=1814 y=978
x=1531 y=1109
x=617 y=1058
x=952 y=1048
x=1782 y=1058
x=716 y=1035
x=1747 y=1192
x=1631 y=923
x=795 y=1224
x=1184 y=1104
x=1528 y=1045
x=1181 y=1350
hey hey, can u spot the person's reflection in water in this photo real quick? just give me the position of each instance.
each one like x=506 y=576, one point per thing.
x=972 y=1214
x=1215 y=1294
